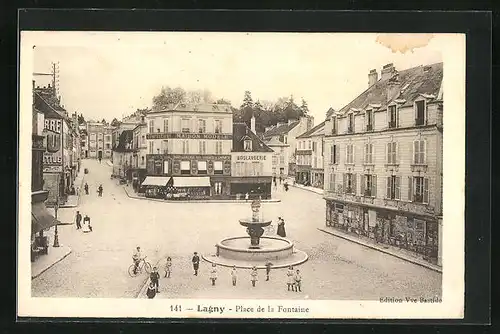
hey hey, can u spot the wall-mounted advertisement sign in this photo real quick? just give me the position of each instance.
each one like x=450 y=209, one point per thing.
x=52 y=157
x=181 y=135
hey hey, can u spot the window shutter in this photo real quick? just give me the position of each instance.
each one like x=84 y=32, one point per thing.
x=388 y=152
x=410 y=189
x=372 y=153
x=388 y=187
x=426 y=190
x=398 y=157
x=363 y=181
x=424 y=149
x=415 y=150
x=333 y=181
x=347 y=153
x=354 y=186
x=374 y=185
x=337 y=153
x=353 y=154
x=397 y=187
x=345 y=182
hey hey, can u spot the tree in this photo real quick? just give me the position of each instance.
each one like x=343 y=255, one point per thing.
x=304 y=108
x=247 y=107
x=115 y=122
x=194 y=96
x=223 y=101
x=168 y=97
x=81 y=119
x=103 y=121
x=247 y=100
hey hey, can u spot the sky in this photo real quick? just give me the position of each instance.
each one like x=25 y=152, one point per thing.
x=108 y=75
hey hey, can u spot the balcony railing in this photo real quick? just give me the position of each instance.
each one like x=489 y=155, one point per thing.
x=350 y=129
x=419 y=121
x=369 y=127
x=392 y=124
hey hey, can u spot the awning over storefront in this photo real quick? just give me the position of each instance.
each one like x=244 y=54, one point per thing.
x=160 y=181
x=195 y=181
x=41 y=219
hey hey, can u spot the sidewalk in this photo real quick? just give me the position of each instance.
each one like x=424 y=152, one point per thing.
x=312 y=189
x=44 y=262
x=74 y=200
x=109 y=163
x=135 y=196
x=391 y=250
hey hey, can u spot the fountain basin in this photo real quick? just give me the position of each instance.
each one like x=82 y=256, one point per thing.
x=248 y=222
x=271 y=249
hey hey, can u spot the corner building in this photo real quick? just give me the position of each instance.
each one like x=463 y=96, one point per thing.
x=383 y=161
x=190 y=147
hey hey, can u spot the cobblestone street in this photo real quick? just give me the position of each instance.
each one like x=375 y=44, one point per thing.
x=97 y=267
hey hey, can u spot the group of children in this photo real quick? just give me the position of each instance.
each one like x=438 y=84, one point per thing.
x=294 y=282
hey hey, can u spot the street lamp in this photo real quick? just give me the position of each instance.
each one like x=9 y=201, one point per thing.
x=56 y=235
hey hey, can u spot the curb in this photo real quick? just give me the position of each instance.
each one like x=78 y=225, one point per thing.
x=428 y=266
x=59 y=260
x=198 y=201
x=310 y=190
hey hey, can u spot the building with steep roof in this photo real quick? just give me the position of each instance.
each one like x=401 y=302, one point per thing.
x=250 y=164
x=384 y=161
x=309 y=157
x=287 y=133
x=123 y=155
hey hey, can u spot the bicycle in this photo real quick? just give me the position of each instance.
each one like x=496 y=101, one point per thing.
x=142 y=265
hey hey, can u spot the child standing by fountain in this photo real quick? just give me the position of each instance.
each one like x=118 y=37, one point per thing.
x=253 y=276
x=291 y=279
x=213 y=273
x=298 y=279
x=233 y=275
x=168 y=267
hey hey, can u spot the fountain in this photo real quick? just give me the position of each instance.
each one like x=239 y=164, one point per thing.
x=256 y=249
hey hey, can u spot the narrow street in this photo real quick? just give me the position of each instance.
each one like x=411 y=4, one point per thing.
x=97 y=267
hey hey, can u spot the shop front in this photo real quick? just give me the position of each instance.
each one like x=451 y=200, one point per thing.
x=41 y=220
x=255 y=187
x=303 y=175
x=155 y=186
x=402 y=229
x=317 y=178
x=189 y=187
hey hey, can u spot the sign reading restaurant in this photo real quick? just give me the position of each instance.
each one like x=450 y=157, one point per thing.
x=181 y=135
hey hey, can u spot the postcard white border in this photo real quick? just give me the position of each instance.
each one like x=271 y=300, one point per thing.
x=453 y=208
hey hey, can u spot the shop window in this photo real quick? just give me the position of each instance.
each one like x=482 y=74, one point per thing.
x=218 y=167
x=165 y=167
x=218 y=188
x=202 y=167
x=185 y=167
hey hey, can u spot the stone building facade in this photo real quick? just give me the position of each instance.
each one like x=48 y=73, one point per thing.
x=383 y=161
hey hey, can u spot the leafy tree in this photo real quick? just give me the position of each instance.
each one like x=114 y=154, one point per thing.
x=223 y=101
x=115 y=122
x=247 y=100
x=168 y=96
x=81 y=119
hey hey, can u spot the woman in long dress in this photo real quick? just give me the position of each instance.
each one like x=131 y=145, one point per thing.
x=281 y=227
x=86 y=224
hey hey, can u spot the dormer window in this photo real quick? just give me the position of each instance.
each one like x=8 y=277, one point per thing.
x=334 y=125
x=350 y=123
x=392 y=116
x=247 y=144
x=420 y=112
x=369 y=120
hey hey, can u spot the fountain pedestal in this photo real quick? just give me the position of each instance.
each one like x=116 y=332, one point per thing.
x=256 y=249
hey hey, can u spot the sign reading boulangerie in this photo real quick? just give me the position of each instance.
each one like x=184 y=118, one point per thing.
x=52 y=157
x=326 y=247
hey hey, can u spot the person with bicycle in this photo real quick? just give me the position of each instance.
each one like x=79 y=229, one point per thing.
x=137 y=257
x=155 y=278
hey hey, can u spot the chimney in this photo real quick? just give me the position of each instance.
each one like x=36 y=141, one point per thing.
x=372 y=77
x=387 y=71
x=393 y=88
x=252 y=124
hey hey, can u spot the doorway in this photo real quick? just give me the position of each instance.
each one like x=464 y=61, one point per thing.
x=99 y=155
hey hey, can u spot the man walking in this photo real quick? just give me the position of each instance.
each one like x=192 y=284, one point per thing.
x=253 y=276
x=268 y=269
x=196 y=263
x=86 y=187
x=78 y=220
x=234 y=275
